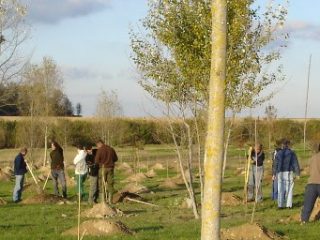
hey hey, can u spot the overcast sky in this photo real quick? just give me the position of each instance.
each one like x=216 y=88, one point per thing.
x=89 y=41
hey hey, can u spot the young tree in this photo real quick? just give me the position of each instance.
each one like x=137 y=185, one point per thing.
x=108 y=107
x=214 y=147
x=41 y=94
x=271 y=115
x=13 y=34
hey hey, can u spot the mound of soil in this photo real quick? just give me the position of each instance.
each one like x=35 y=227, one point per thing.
x=187 y=203
x=249 y=232
x=124 y=166
x=135 y=188
x=305 y=171
x=43 y=177
x=151 y=173
x=230 y=199
x=70 y=181
x=128 y=172
x=121 y=197
x=8 y=170
x=139 y=177
x=169 y=184
x=158 y=166
x=4 y=176
x=2 y=201
x=99 y=228
x=102 y=210
x=44 y=170
x=43 y=198
x=142 y=166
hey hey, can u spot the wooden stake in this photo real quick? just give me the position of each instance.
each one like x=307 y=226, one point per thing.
x=306 y=107
x=79 y=207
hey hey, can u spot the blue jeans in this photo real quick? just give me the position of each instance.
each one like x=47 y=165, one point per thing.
x=18 y=188
x=274 y=194
x=255 y=183
x=58 y=176
x=285 y=189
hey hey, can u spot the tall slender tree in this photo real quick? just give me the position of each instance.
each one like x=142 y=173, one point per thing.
x=214 y=147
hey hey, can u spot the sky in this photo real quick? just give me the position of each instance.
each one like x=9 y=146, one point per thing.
x=89 y=40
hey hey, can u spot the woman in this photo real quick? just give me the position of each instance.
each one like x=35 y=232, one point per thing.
x=81 y=169
x=256 y=174
x=57 y=169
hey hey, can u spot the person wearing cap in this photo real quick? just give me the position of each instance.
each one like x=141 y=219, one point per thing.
x=286 y=169
x=312 y=191
x=20 y=169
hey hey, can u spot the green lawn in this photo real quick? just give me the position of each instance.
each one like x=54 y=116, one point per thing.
x=169 y=221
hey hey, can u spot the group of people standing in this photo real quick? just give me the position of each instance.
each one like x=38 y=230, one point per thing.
x=285 y=169
x=96 y=163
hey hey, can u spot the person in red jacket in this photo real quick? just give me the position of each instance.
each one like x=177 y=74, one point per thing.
x=106 y=157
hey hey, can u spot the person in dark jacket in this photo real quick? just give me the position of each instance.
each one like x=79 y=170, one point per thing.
x=286 y=169
x=20 y=169
x=93 y=172
x=57 y=169
x=106 y=157
x=312 y=191
x=256 y=174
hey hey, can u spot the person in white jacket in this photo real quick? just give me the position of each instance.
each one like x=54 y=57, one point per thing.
x=81 y=169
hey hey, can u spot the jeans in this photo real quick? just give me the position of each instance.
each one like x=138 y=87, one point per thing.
x=80 y=179
x=18 y=188
x=274 y=194
x=106 y=182
x=255 y=183
x=311 y=194
x=94 y=189
x=285 y=189
x=58 y=176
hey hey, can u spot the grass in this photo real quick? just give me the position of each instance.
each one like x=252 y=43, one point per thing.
x=48 y=221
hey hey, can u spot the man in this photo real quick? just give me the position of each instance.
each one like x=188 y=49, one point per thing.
x=286 y=169
x=20 y=169
x=57 y=169
x=93 y=173
x=256 y=174
x=106 y=158
x=312 y=191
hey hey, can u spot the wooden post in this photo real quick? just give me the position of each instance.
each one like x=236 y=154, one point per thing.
x=306 y=108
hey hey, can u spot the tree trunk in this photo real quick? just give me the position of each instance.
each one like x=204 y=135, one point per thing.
x=214 y=146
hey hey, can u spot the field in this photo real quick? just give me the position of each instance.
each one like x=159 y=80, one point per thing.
x=167 y=221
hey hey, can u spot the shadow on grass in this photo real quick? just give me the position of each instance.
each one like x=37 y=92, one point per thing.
x=7 y=226
x=150 y=228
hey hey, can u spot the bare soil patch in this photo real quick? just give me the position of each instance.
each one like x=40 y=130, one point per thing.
x=44 y=198
x=230 y=199
x=99 y=228
x=139 y=177
x=135 y=188
x=169 y=184
x=151 y=173
x=102 y=210
x=158 y=166
x=4 y=176
x=2 y=201
x=249 y=232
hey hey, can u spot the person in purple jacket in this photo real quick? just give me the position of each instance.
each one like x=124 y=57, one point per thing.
x=20 y=169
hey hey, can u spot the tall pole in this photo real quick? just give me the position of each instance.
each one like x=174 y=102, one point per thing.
x=306 y=107
x=214 y=145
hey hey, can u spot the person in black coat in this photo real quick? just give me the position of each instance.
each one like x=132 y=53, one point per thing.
x=93 y=172
x=20 y=169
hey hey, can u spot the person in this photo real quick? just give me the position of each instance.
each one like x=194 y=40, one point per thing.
x=256 y=174
x=106 y=157
x=20 y=169
x=81 y=169
x=57 y=169
x=274 y=192
x=93 y=172
x=285 y=170
x=312 y=191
